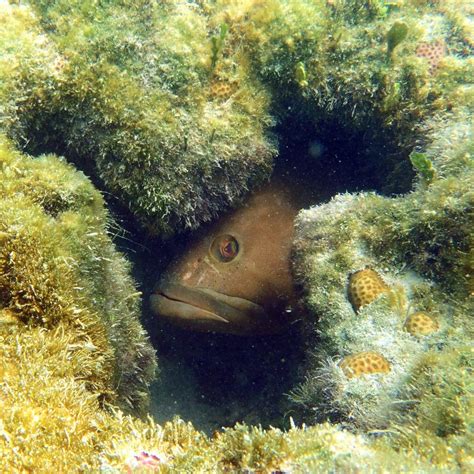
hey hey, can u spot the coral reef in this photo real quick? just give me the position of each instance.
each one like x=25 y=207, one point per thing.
x=168 y=106
x=175 y=98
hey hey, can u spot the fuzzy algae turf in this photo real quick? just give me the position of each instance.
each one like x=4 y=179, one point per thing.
x=331 y=77
x=175 y=98
x=60 y=273
x=137 y=80
x=167 y=105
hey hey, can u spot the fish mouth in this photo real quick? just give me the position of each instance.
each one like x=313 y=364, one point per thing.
x=206 y=310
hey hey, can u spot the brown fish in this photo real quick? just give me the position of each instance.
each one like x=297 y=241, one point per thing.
x=236 y=278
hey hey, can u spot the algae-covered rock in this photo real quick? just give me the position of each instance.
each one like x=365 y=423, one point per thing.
x=419 y=247
x=130 y=93
x=60 y=274
x=71 y=349
x=333 y=83
x=168 y=104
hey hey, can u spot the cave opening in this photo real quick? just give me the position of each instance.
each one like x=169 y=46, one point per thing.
x=215 y=380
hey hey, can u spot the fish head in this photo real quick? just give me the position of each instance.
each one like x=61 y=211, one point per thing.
x=235 y=278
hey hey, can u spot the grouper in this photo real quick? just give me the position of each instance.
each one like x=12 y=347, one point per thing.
x=236 y=277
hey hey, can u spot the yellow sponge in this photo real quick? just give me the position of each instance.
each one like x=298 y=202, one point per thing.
x=364 y=363
x=364 y=287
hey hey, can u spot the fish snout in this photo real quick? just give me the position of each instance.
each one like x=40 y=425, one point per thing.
x=175 y=300
x=203 y=309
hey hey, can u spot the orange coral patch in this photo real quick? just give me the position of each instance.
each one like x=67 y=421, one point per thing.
x=364 y=363
x=364 y=287
x=433 y=52
x=222 y=90
x=421 y=324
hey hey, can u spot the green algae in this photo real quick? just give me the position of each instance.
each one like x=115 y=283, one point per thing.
x=423 y=165
x=396 y=34
x=300 y=74
x=217 y=43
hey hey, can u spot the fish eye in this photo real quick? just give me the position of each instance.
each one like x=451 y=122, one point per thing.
x=224 y=248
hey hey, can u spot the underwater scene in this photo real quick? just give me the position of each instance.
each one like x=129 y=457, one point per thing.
x=236 y=236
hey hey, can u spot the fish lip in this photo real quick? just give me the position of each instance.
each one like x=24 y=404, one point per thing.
x=193 y=311
x=204 y=309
